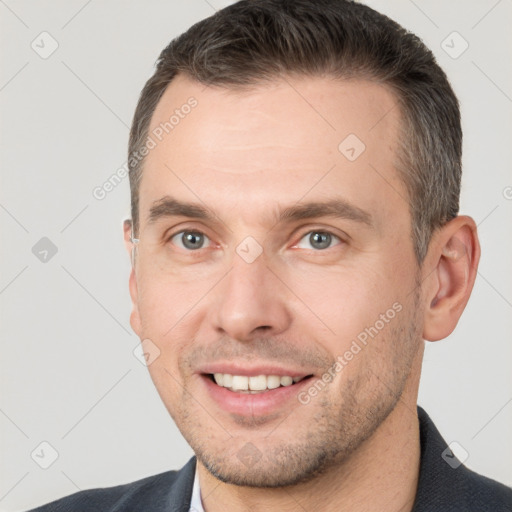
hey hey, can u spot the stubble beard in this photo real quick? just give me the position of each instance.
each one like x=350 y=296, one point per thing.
x=334 y=432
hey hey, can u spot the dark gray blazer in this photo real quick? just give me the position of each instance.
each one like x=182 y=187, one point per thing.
x=440 y=488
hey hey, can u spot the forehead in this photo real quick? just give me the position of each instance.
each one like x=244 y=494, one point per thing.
x=274 y=143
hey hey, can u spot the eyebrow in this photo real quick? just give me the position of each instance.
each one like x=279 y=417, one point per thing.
x=339 y=208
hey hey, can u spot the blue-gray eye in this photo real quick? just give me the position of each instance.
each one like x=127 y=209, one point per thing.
x=317 y=240
x=191 y=240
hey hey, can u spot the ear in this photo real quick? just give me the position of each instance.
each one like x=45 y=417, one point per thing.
x=452 y=258
x=132 y=282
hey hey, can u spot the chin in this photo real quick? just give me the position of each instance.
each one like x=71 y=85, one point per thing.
x=269 y=472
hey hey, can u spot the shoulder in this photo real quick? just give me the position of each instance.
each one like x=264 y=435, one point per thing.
x=154 y=493
x=446 y=484
x=484 y=492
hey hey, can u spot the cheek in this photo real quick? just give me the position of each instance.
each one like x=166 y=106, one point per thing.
x=168 y=385
x=163 y=304
x=166 y=324
x=347 y=301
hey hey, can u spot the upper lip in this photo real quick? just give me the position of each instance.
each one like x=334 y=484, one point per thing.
x=233 y=368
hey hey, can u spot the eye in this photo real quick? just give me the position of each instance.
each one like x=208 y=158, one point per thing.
x=318 y=240
x=190 y=240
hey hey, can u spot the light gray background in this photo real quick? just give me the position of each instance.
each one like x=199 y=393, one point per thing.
x=68 y=374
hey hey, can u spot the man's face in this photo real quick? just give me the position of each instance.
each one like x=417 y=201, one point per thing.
x=268 y=289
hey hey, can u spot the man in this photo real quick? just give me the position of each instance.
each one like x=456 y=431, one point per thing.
x=295 y=175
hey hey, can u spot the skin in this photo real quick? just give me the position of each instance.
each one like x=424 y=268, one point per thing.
x=247 y=155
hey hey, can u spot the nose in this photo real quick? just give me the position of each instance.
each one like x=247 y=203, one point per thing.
x=251 y=301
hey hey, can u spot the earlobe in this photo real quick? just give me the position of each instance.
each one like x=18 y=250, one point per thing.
x=455 y=253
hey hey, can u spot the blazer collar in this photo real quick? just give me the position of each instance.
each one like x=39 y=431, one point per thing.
x=180 y=492
x=438 y=481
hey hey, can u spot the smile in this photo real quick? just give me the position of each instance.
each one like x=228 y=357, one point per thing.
x=253 y=384
x=258 y=395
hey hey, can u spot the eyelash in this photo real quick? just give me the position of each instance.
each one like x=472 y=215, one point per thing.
x=306 y=233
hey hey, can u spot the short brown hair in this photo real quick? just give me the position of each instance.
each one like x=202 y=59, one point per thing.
x=256 y=41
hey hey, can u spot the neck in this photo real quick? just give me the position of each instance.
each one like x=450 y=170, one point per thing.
x=382 y=474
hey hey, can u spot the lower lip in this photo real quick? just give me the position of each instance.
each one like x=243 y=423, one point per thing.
x=257 y=404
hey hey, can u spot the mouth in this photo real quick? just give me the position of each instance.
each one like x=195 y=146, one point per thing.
x=263 y=390
x=254 y=384
x=260 y=395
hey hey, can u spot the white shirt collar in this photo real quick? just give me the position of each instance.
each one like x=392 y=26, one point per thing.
x=195 y=503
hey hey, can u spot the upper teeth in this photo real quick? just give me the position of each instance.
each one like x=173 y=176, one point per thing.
x=257 y=383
